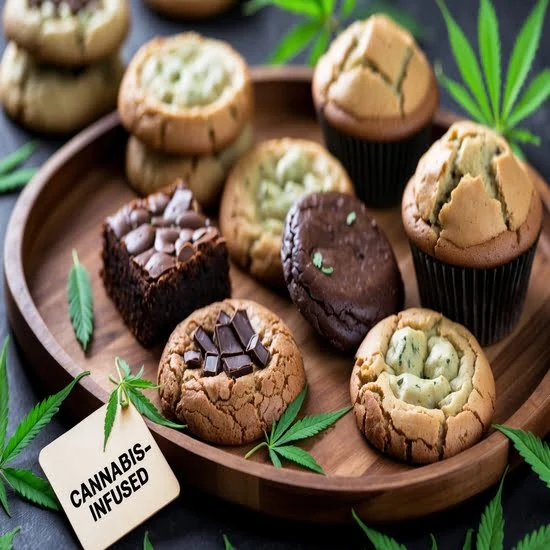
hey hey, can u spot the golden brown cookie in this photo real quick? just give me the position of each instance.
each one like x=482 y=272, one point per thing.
x=260 y=190
x=186 y=95
x=148 y=171
x=232 y=407
x=63 y=32
x=422 y=388
x=190 y=9
x=49 y=99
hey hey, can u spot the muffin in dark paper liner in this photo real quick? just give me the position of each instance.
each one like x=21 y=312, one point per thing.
x=375 y=95
x=473 y=218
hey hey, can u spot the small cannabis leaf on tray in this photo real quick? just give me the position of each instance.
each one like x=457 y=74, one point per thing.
x=147 y=544
x=324 y=19
x=6 y=540
x=24 y=482
x=12 y=179
x=227 y=543
x=81 y=307
x=284 y=432
x=504 y=116
x=129 y=390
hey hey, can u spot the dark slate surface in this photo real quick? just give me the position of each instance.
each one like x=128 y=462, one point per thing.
x=197 y=521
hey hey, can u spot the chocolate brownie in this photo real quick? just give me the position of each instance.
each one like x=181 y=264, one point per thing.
x=339 y=267
x=162 y=259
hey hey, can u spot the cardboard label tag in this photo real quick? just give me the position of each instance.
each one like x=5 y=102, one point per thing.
x=107 y=494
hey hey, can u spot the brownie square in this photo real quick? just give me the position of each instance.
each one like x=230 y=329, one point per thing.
x=162 y=259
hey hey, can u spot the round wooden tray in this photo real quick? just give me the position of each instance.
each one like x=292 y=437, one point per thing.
x=63 y=208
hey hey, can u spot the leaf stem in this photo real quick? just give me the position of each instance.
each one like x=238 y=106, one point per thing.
x=113 y=379
x=256 y=448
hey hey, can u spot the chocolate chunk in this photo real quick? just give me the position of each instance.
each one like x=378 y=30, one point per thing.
x=159 y=263
x=211 y=365
x=120 y=222
x=237 y=365
x=139 y=240
x=186 y=253
x=180 y=203
x=157 y=203
x=204 y=341
x=139 y=216
x=259 y=353
x=193 y=359
x=191 y=220
x=144 y=257
x=223 y=319
x=159 y=221
x=226 y=340
x=204 y=234
x=165 y=239
x=243 y=328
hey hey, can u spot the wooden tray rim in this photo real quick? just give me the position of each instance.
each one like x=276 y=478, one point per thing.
x=494 y=447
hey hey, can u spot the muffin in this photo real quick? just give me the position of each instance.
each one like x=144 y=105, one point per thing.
x=375 y=94
x=260 y=190
x=339 y=267
x=422 y=389
x=473 y=218
x=186 y=95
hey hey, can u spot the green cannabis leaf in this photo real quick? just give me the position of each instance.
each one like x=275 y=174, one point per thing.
x=6 y=540
x=81 y=307
x=323 y=20
x=480 y=95
x=11 y=180
x=468 y=540
x=24 y=482
x=378 y=540
x=531 y=448
x=490 y=535
x=285 y=432
x=434 y=542
x=227 y=543
x=537 y=540
x=147 y=544
x=128 y=390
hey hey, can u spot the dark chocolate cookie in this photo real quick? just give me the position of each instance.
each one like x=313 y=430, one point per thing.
x=339 y=267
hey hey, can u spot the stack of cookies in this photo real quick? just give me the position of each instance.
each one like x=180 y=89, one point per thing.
x=187 y=101
x=61 y=68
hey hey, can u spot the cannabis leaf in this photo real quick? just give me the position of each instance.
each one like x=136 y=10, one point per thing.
x=532 y=449
x=11 y=180
x=490 y=535
x=378 y=540
x=434 y=542
x=128 y=390
x=6 y=540
x=537 y=540
x=147 y=544
x=284 y=432
x=480 y=96
x=24 y=482
x=81 y=308
x=227 y=543
x=468 y=540
x=323 y=20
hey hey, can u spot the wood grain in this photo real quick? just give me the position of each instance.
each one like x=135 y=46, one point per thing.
x=63 y=208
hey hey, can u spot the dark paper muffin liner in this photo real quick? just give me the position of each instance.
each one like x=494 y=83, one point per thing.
x=379 y=170
x=489 y=302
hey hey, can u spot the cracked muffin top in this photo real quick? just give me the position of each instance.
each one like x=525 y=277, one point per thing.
x=374 y=82
x=259 y=192
x=471 y=201
x=422 y=387
x=186 y=94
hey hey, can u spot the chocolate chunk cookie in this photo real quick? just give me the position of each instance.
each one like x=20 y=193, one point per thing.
x=67 y=32
x=339 y=267
x=422 y=388
x=229 y=371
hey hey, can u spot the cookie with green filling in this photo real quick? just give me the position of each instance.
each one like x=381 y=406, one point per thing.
x=422 y=388
x=186 y=95
x=259 y=192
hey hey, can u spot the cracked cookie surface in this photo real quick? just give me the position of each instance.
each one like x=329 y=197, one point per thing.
x=361 y=283
x=186 y=95
x=56 y=100
x=422 y=388
x=260 y=190
x=221 y=409
x=381 y=57
x=67 y=32
x=149 y=171
x=471 y=201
